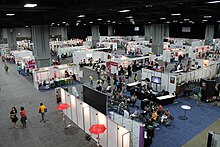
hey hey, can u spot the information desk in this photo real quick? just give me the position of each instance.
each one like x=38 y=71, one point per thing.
x=164 y=100
x=130 y=85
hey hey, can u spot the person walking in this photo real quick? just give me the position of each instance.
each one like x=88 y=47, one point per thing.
x=23 y=115
x=135 y=77
x=6 y=68
x=19 y=69
x=42 y=110
x=91 y=80
x=13 y=116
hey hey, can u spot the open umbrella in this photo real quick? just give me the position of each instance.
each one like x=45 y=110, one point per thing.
x=97 y=129
x=63 y=106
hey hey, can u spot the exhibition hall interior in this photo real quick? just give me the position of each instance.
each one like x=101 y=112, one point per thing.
x=116 y=73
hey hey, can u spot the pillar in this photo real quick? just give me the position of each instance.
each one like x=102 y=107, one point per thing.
x=11 y=38
x=40 y=39
x=157 y=38
x=147 y=32
x=166 y=30
x=63 y=32
x=1 y=36
x=95 y=35
x=110 y=30
x=209 y=33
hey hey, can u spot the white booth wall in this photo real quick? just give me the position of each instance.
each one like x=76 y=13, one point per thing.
x=86 y=54
x=19 y=54
x=85 y=116
x=47 y=73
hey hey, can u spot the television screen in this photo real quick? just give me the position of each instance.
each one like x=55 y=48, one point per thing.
x=156 y=80
x=95 y=99
x=186 y=29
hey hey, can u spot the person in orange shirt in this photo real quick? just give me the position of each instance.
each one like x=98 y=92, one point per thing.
x=23 y=117
x=154 y=116
x=159 y=109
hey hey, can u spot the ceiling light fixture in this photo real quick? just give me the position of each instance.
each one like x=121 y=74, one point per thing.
x=186 y=19
x=207 y=16
x=81 y=16
x=108 y=20
x=10 y=14
x=175 y=21
x=77 y=24
x=91 y=22
x=204 y=20
x=114 y=22
x=84 y=24
x=63 y=22
x=123 y=11
x=149 y=6
x=168 y=22
x=78 y=21
x=129 y=17
x=99 y=19
x=30 y=5
x=162 y=18
x=218 y=21
x=175 y=14
x=26 y=26
x=149 y=22
x=181 y=22
x=213 y=2
x=58 y=24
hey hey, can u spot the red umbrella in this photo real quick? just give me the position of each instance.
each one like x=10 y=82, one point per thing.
x=97 y=129
x=63 y=106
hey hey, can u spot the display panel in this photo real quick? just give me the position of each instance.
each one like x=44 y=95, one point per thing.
x=156 y=80
x=95 y=99
x=186 y=29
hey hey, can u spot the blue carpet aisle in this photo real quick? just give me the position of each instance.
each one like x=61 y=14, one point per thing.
x=181 y=131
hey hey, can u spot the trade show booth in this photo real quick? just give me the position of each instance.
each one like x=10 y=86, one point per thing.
x=68 y=51
x=55 y=76
x=85 y=116
x=111 y=45
x=83 y=56
x=174 y=81
x=28 y=64
x=18 y=54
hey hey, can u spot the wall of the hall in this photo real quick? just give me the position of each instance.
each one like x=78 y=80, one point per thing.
x=197 y=31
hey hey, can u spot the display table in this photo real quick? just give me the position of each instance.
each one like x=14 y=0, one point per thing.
x=165 y=100
x=185 y=107
x=130 y=85
x=63 y=81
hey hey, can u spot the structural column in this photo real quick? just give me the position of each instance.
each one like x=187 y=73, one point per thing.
x=166 y=30
x=1 y=36
x=209 y=33
x=147 y=32
x=63 y=32
x=110 y=30
x=95 y=35
x=40 y=38
x=11 y=38
x=157 y=38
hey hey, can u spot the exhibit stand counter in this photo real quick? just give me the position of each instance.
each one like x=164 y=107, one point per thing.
x=18 y=54
x=173 y=53
x=4 y=49
x=199 y=51
x=170 y=81
x=28 y=64
x=57 y=73
x=113 y=64
x=111 y=45
x=116 y=39
x=138 y=49
x=85 y=116
x=70 y=50
x=79 y=56
x=25 y=44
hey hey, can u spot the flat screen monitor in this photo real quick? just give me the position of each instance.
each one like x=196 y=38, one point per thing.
x=156 y=80
x=95 y=99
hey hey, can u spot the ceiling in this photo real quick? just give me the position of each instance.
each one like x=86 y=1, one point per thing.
x=66 y=12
